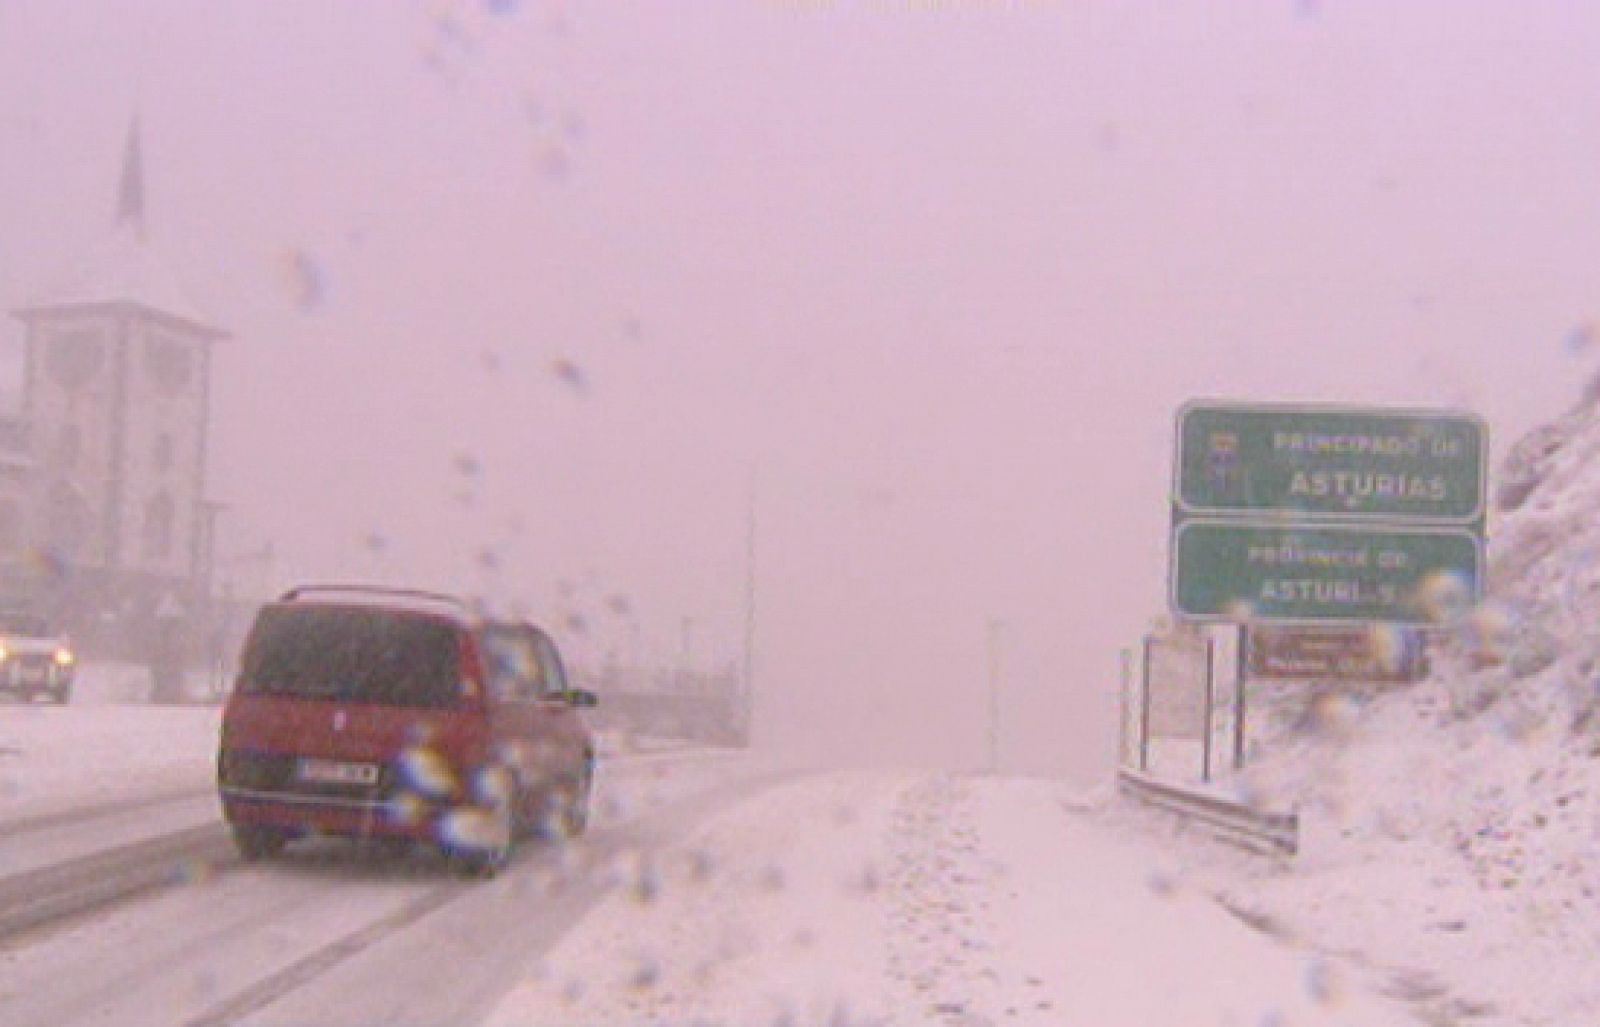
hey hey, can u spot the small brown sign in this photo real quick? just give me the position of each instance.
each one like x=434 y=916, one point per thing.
x=1386 y=654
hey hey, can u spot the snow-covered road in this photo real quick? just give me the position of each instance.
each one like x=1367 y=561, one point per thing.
x=877 y=898
x=714 y=888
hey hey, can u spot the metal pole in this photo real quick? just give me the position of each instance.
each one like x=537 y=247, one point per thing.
x=1241 y=674
x=994 y=695
x=1144 y=708
x=1125 y=709
x=1205 y=737
x=747 y=699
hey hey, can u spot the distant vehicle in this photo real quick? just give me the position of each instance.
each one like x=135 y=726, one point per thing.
x=34 y=659
x=383 y=713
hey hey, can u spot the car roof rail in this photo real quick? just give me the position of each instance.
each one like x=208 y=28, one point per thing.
x=302 y=591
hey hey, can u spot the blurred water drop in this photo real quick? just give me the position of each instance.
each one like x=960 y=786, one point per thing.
x=1162 y=884
x=619 y=604
x=466 y=465
x=49 y=563
x=646 y=973
x=701 y=866
x=632 y=329
x=450 y=30
x=554 y=163
x=574 y=127
x=1331 y=714
x=1445 y=597
x=192 y=871
x=205 y=986
x=375 y=543
x=639 y=876
x=490 y=361
x=488 y=559
x=502 y=7
x=577 y=623
x=569 y=374
x=307 y=282
x=1582 y=338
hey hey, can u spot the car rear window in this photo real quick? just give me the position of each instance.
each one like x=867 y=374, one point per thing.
x=386 y=657
x=23 y=624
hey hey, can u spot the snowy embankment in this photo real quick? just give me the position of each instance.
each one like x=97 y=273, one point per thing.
x=106 y=745
x=1450 y=827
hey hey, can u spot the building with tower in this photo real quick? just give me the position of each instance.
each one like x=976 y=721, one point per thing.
x=104 y=517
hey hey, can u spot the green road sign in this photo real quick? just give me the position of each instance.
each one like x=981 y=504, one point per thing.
x=1330 y=462
x=1256 y=572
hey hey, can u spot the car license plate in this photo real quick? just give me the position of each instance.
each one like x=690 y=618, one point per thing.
x=331 y=772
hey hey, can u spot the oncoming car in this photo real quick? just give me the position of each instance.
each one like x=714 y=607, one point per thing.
x=395 y=714
x=34 y=660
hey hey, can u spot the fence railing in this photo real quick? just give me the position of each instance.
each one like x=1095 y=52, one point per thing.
x=1271 y=834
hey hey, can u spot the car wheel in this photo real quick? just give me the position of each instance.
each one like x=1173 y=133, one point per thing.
x=570 y=814
x=486 y=857
x=256 y=843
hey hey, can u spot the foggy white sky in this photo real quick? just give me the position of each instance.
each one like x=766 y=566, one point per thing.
x=939 y=272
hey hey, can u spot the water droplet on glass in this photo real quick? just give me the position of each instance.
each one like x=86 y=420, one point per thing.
x=308 y=283
x=569 y=374
x=554 y=163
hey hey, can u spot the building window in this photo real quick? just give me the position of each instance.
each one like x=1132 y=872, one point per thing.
x=161 y=454
x=168 y=363
x=69 y=446
x=158 y=527
x=74 y=358
x=10 y=527
x=69 y=518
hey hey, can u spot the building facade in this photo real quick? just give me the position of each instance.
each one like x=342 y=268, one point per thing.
x=104 y=518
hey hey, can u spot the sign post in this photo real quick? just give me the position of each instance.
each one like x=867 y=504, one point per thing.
x=1320 y=517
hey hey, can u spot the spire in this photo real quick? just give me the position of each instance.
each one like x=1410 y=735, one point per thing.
x=130 y=192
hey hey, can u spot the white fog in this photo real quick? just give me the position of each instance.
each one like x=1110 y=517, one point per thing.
x=828 y=347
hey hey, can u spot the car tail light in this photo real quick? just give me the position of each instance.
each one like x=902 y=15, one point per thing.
x=472 y=676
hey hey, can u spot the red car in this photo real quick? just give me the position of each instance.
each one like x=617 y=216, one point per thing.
x=383 y=713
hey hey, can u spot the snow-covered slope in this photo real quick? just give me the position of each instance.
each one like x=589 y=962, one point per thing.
x=1451 y=827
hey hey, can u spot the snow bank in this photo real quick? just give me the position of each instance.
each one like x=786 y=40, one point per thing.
x=1450 y=826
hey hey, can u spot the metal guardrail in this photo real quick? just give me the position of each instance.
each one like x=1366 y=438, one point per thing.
x=1269 y=834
